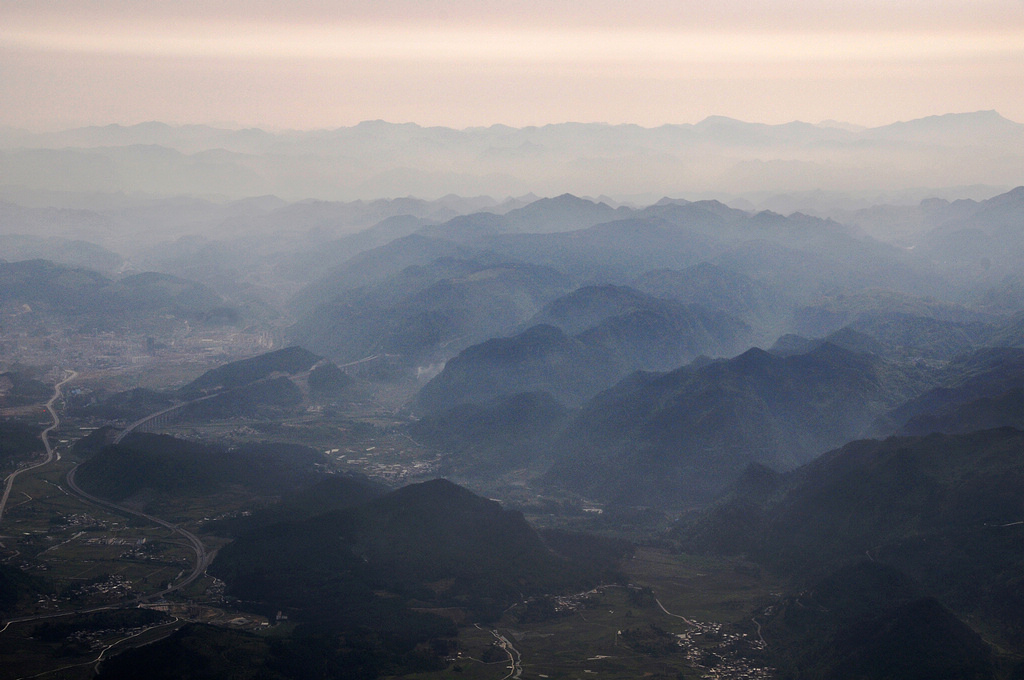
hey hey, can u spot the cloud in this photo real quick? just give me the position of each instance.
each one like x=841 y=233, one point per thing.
x=694 y=14
x=520 y=61
x=519 y=46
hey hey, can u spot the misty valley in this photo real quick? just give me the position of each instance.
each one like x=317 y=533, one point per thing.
x=244 y=436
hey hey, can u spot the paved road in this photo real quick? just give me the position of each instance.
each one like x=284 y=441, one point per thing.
x=678 y=616
x=517 y=660
x=153 y=416
x=760 y=637
x=170 y=409
x=45 y=436
x=103 y=652
x=514 y=657
x=202 y=556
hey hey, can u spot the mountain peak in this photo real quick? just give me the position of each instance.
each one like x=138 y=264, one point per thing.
x=721 y=120
x=754 y=355
x=435 y=493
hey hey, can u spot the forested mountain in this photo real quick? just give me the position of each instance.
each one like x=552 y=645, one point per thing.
x=718 y=288
x=945 y=509
x=327 y=567
x=541 y=358
x=147 y=467
x=427 y=313
x=678 y=438
x=376 y=585
x=871 y=620
x=511 y=432
x=645 y=332
x=970 y=386
x=699 y=376
x=86 y=296
x=235 y=374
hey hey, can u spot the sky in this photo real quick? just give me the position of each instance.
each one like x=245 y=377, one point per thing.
x=313 y=64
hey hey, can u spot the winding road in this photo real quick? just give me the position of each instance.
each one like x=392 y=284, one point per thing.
x=759 y=636
x=678 y=616
x=202 y=556
x=515 y=659
x=45 y=436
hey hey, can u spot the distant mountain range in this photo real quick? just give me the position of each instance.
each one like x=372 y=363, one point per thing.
x=645 y=319
x=378 y=159
x=714 y=279
x=426 y=312
x=716 y=367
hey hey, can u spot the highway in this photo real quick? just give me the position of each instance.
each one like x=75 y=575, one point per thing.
x=515 y=659
x=153 y=416
x=170 y=409
x=45 y=436
x=202 y=556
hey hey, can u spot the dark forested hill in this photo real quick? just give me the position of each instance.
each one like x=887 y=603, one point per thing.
x=945 y=509
x=963 y=383
x=17 y=585
x=870 y=621
x=148 y=465
x=243 y=372
x=333 y=492
x=18 y=442
x=433 y=544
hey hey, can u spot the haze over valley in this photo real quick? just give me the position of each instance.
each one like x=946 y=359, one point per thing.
x=730 y=386
x=666 y=382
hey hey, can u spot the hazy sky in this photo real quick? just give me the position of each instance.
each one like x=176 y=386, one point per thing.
x=315 y=64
